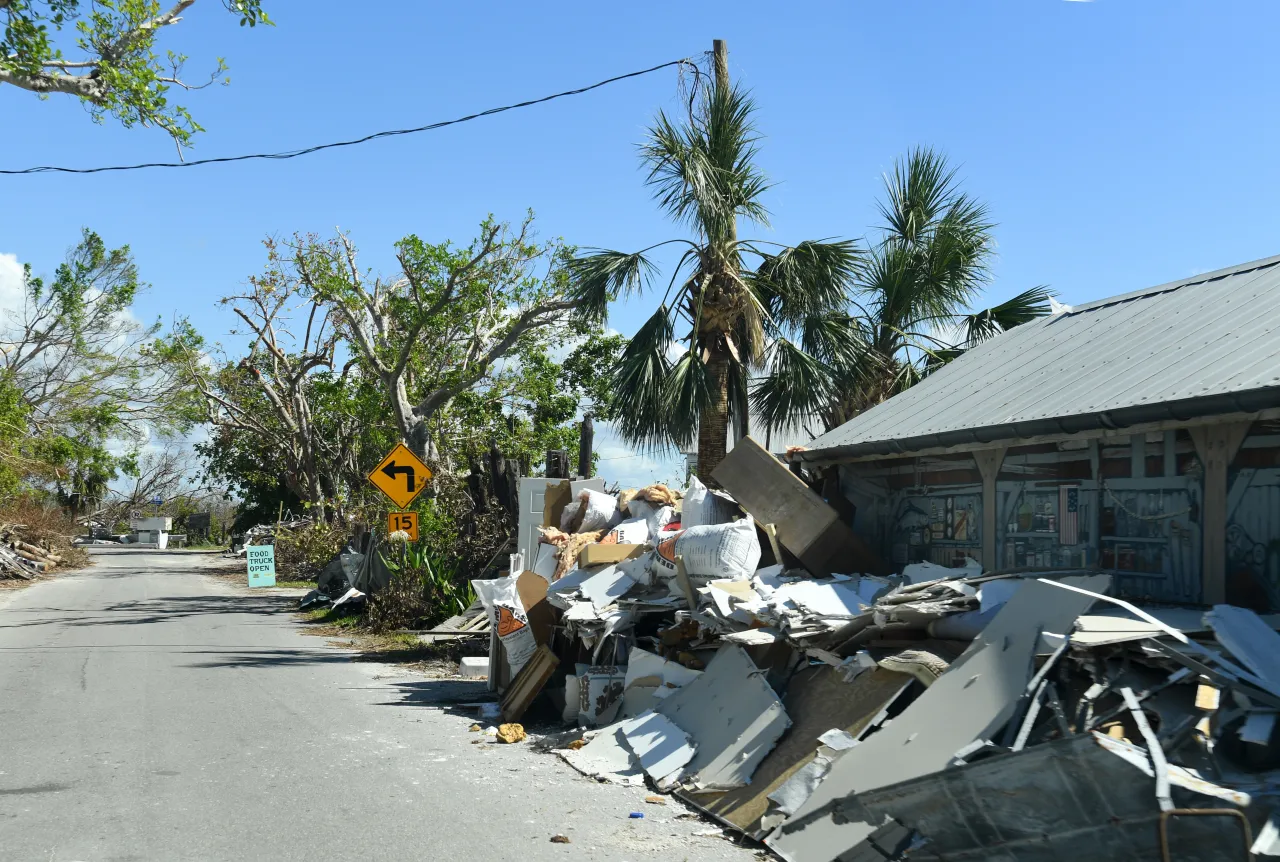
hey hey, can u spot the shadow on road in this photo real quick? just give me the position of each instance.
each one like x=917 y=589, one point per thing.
x=441 y=692
x=151 y=611
x=268 y=657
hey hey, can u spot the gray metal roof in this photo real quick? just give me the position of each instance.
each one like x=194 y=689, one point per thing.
x=1197 y=347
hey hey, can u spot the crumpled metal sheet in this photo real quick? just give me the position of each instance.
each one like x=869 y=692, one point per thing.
x=1082 y=797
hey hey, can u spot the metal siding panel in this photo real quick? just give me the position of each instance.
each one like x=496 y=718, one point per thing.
x=1216 y=334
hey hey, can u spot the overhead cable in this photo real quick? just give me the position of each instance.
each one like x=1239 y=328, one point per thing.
x=293 y=154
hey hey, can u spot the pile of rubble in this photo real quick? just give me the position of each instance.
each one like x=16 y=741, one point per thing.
x=21 y=559
x=707 y=645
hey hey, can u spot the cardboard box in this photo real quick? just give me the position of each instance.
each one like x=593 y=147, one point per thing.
x=597 y=554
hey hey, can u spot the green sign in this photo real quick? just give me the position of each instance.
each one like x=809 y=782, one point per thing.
x=262 y=565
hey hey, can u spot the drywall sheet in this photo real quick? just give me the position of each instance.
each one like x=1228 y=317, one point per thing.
x=605 y=587
x=643 y=665
x=660 y=746
x=806 y=525
x=971 y=701
x=818 y=699
x=606 y=758
x=733 y=717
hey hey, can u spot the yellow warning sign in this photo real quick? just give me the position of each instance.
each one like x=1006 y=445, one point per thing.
x=405 y=522
x=400 y=475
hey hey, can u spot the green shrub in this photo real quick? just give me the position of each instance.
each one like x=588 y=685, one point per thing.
x=424 y=590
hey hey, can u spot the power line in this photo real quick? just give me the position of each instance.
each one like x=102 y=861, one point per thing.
x=293 y=154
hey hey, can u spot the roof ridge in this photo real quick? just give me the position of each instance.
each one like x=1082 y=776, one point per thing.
x=1170 y=286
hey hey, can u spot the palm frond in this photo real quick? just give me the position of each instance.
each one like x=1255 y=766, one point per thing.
x=919 y=190
x=703 y=172
x=601 y=276
x=1023 y=308
x=811 y=277
x=954 y=262
x=888 y=284
x=797 y=386
x=834 y=338
x=687 y=394
x=640 y=380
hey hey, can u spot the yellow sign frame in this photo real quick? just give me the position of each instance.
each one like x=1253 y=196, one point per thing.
x=401 y=476
x=403 y=521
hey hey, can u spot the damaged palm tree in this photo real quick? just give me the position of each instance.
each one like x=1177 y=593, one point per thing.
x=736 y=297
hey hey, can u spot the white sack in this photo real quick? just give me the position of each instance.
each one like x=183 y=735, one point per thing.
x=566 y=517
x=600 y=510
x=696 y=509
x=656 y=516
x=507 y=616
x=717 y=551
x=632 y=532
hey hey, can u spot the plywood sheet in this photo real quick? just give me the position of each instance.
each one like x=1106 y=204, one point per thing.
x=806 y=525
x=971 y=701
x=528 y=683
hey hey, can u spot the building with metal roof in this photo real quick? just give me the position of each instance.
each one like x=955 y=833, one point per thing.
x=1199 y=347
x=1138 y=434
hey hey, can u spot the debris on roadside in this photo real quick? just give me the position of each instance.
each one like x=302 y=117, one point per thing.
x=708 y=653
x=560 y=839
x=21 y=559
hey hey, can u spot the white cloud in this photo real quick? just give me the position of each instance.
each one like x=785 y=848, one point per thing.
x=11 y=294
x=630 y=468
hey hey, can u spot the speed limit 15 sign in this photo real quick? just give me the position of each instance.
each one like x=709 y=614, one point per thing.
x=406 y=522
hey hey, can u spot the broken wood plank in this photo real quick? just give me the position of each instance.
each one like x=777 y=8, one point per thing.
x=528 y=683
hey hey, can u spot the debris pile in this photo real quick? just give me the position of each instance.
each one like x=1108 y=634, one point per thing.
x=708 y=644
x=21 y=559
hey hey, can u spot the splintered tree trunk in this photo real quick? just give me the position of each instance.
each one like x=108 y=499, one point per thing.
x=586 y=436
x=713 y=425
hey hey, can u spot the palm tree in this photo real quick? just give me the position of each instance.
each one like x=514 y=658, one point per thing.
x=907 y=314
x=732 y=298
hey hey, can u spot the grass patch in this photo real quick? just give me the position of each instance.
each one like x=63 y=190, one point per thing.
x=349 y=630
x=295 y=585
x=339 y=618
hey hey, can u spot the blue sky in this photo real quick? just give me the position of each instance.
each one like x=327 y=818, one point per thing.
x=1119 y=144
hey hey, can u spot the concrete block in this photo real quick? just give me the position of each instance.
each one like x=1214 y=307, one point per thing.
x=474 y=667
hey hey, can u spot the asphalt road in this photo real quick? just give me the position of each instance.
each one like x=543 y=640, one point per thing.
x=149 y=712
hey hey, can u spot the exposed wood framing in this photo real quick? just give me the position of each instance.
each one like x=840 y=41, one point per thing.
x=989 y=461
x=1217 y=446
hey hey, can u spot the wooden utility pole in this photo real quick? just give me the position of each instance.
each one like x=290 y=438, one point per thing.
x=721 y=53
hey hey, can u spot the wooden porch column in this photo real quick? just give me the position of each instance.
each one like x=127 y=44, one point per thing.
x=1216 y=445
x=989 y=461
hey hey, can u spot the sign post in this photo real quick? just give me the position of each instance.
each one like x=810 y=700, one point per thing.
x=406 y=522
x=261 y=560
x=401 y=476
